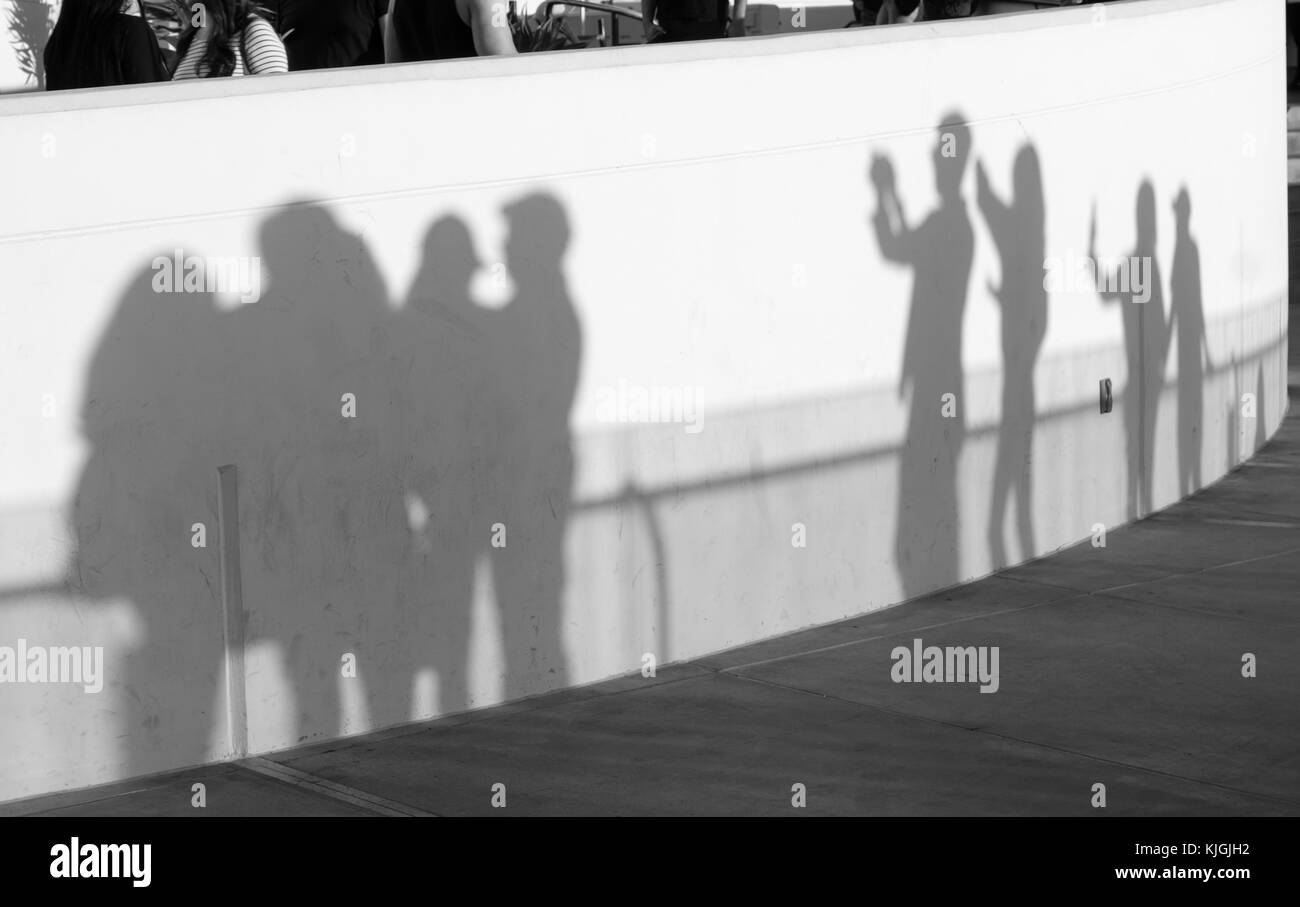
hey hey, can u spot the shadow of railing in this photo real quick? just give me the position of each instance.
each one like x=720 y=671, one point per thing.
x=645 y=497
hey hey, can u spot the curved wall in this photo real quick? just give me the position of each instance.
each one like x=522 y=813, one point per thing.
x=664 y=348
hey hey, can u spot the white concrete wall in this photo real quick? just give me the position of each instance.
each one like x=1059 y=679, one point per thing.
x=719 y=215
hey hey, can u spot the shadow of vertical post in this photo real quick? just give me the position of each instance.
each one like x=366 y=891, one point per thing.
x=232 y=606
x=633 y=494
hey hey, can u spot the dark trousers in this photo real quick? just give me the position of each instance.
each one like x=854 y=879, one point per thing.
x=689 y=30
x=1293 y=29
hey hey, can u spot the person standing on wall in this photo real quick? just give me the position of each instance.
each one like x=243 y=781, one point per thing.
x=446 y=30
x=691 y=20
x=1293 y=31
x=228 y=38
x=102 y=42
x=324 y=34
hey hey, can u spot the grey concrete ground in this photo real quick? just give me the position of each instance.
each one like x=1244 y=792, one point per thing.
x=1119 y=666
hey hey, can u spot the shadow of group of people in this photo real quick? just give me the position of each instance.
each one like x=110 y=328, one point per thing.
x=1149 y=331
x=345 y=417
x=940 y=252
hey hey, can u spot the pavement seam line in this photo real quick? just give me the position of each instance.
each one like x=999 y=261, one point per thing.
x=331 y=789
x=1200 y=571
x=1023 y=741
x=878 y=637
x=1184 y=609
x=47 y=810
x=55 y=801
x=1176 y=574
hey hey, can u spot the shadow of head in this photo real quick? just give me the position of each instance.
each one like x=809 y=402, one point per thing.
x=160 y=334
x=306 y=250
x=1183 y=210
x=951 y=152
x=1146 y=215
x=449 y=263
x=1027 y=177
x=539 y=235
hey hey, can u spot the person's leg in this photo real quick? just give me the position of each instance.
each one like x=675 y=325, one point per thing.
x=1025 y=484
x=1025 y=514
x=998 y=502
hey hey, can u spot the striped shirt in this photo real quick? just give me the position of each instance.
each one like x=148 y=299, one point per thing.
x=265 y=52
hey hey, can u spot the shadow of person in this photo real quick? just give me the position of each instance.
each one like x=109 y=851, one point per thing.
x=325 y=539
x=1018 y=230
x=491 y=462
x=1187 y=316
x=940 y=252
x=536 y=354
x=304 y=393
x=144 y=511
x=1231 y=422
x=1136 y=286
x=454 y=444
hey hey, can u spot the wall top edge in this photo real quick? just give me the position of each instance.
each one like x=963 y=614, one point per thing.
x=786 y=45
